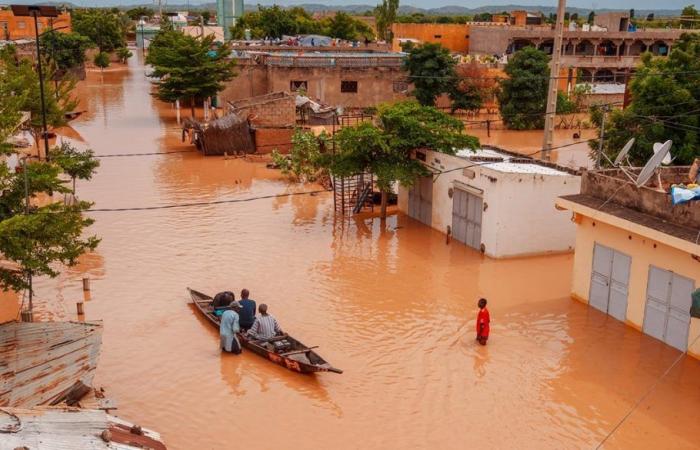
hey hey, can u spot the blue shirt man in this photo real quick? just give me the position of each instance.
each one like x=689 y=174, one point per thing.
x=247 y=313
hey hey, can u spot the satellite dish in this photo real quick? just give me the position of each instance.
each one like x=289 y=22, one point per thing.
x=623 y=153
x=667 y=159
x=653 y=163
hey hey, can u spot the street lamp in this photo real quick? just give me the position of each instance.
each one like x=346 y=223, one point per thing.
x=36 y=12
x=143 y=38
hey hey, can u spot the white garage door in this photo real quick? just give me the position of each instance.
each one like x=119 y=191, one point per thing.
x=467 y=209
x=667 y=312
x=420 y=200
x=609 y=281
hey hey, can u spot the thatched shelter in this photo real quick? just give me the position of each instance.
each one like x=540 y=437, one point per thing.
x=230 y=134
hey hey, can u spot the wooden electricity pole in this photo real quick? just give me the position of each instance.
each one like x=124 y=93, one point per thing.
x=553 y=82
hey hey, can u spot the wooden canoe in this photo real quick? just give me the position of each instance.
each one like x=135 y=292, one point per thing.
x=296 y=357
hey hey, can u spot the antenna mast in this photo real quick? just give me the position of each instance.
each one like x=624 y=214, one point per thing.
x=553 y=82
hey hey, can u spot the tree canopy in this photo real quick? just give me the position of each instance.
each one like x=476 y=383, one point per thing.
x=431 y=70
x=77 y=164
x=275 y=22
x=21 y=79
x=140 y=11
x=384 y=148
x=523 y=95
x=104 y=28
x=188 y=67
x=66 y=50
x=665 y=96
x=385 y=14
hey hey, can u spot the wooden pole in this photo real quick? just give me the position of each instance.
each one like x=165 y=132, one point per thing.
x=86 y=284
x=79 y=307
x=553 y=82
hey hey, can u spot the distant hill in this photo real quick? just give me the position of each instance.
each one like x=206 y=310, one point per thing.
x=353 y=9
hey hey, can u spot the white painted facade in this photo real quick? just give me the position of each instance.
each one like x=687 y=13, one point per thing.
x=519 y=217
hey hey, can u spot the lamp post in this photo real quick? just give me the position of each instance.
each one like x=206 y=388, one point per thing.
x=36 y=12
x=143 y=38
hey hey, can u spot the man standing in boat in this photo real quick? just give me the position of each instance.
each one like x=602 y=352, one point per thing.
x=227 y=331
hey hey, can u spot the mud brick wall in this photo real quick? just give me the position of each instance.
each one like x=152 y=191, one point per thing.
x=269 y=139
x=280 y=112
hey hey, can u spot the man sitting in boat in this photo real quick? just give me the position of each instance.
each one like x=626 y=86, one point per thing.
x=247 y=312
x=227 y=331
x=223 y=301
x=265 y=326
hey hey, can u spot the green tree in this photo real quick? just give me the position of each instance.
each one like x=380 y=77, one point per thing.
x=21 y=79
x=124 y=54
x=75 y=163
x=104 y=28
x=342 y=26
x=140 y=11
x=385 y=15
x=665 y=98
x=304 y=160
x=591 y=17
x=385 y=148
x=10 y=104
x=431 y=70
x=523 y=95
x=66 y=50
x=689 y=17
x=101 y=60
x=186 y=67
x=39 y=238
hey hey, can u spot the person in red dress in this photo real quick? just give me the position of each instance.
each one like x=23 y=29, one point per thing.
x=482 y=322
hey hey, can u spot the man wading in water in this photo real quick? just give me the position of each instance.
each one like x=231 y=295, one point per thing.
x=482 y=323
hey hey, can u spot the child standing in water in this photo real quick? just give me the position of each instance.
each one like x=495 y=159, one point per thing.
x=482 y=322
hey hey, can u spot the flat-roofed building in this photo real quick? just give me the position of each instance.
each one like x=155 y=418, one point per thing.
x=637 y=255
x=13 y=27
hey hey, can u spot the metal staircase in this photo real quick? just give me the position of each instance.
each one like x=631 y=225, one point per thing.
x=353 y=194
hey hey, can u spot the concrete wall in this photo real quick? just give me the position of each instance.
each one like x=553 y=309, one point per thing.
x=644 y=252
x=12 y=27
x=374 y=84
x=454 y=37
x=519 y=217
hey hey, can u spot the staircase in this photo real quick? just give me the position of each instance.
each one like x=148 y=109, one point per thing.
x=353 y=194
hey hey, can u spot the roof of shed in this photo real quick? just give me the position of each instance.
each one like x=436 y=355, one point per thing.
x=510 y=163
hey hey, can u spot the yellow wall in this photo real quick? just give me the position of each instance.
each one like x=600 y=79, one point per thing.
x=454 y=37
x=644 y=252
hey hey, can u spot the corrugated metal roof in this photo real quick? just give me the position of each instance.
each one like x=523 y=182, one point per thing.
x=41 y=361
x=54 y=428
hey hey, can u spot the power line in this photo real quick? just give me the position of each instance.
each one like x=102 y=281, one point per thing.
x=213 y=202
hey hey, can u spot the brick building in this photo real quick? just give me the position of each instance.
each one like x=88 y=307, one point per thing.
x=337 y=77
x=14 y=28
x=453 y=36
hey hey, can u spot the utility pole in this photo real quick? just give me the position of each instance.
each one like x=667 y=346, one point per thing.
x=602 y=136
x=553 y=82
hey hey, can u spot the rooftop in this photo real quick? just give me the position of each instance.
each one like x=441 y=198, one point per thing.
x=508 y=162
x=649 y=207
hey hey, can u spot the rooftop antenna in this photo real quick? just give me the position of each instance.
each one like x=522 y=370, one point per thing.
x=653 y=164
x=622 y=156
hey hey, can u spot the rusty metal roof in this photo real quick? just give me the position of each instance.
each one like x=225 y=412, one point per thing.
x=41 y=362
x=58 y=428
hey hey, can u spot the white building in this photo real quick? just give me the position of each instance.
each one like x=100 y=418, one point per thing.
x=495 y=201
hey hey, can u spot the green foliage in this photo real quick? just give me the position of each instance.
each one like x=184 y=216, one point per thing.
x=665 y=96
x=689 y=17
x=385 y=15
x=66 y=50
x=385 y=149
x=104 y=28
x=101 y=60
x=275 y=22
x=140 y=11
x=591 y=17
x=304 y=160
x=187 y=67
x=429 y=18
x=45 y=236
x=124 y=54
x=431 y=70
x=523 y=95
x=10 y=103
x=75 y=163
x=21 y=79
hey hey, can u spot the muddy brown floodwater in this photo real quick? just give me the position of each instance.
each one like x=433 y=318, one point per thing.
x=392 y=305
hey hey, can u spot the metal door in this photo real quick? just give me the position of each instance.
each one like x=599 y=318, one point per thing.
x=467 y=210
x=420 y=200
x=609 y=281
x=667 y=311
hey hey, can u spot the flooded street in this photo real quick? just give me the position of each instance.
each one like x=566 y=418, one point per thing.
x=392 y=305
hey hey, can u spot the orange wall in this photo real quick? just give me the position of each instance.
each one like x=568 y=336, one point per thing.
x=454 y=37
x=12 y=27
